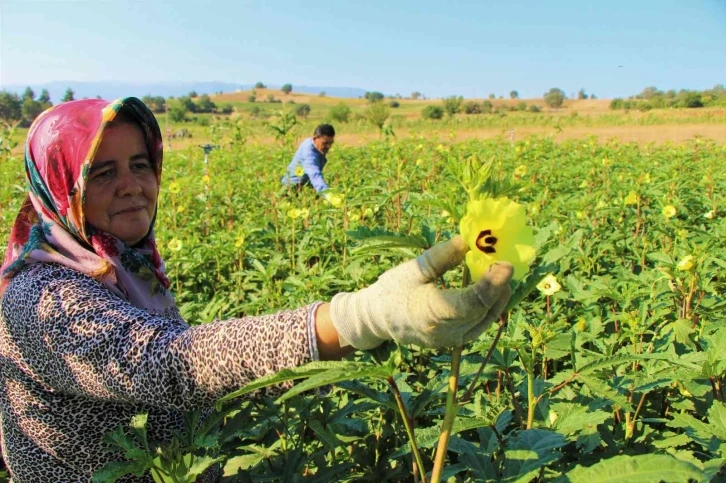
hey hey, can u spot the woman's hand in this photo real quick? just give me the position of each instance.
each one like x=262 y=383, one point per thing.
x=406 y=306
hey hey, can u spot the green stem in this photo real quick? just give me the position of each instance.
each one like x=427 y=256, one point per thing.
x=451 y=410
x=532 y=403
x=472 y=386
x=409 y=429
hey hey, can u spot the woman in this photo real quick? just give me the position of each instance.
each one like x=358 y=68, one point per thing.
x=90 y=335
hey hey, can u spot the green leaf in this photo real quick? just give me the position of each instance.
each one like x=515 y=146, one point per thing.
x=332 y=376
x=572 y=418
x=645 y=468
x=327 y=436
x=114 y=470
x=201 y=464
x=603 y=389
x=427 y=437
x=336 y=368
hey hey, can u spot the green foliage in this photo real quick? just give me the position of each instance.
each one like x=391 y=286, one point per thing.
x=10 y=107
x=581 y=94
x=286 y=88
x=283 y=125
x=260 y=85
x=377 y=114
x=432 y=112
x=340 y=112
x=472 y=107
x=554 y=97
x=302 y=110
x=205 y=104
x=157 y=104
x=68 y=96
x=394 y=104
x=514 y=95
x=373 y=96
x=452 y=105
x=415 y=95
x=652 y=98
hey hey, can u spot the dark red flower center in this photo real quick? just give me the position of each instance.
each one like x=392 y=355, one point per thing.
x=486 y=241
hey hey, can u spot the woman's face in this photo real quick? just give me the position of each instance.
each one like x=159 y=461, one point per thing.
x=121 y=188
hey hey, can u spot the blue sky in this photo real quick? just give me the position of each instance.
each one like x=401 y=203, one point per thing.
x=438 y=48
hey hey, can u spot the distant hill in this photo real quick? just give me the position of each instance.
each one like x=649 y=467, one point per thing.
x=113 y=90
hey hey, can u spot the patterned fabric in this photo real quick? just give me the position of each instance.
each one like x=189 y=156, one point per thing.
x=51 y=226
x=77 y=361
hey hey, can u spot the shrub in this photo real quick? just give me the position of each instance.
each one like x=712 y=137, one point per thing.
x=377 y=113
x=521 y=106
x=303 y=110
x=472 y=107
x=452 y=105
x=487 y=107
x=616 y=103
x=287 y=88
x=374 y=96
x=340 y=113
x=260 y=85
x=554 y=97
x=251 y=98
x=394 y=104
x=432 y=112
x=534 y=108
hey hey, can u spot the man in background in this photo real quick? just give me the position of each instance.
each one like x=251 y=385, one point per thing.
x=306 y=167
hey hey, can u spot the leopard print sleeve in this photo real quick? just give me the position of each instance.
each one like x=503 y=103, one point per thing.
x=77 y=337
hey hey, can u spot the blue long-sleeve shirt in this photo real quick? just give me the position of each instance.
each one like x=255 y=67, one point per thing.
x=312 y=162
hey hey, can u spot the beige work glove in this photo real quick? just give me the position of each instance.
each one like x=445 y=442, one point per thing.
x=405 y=305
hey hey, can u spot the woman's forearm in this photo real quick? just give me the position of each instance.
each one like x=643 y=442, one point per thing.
x=328 y=341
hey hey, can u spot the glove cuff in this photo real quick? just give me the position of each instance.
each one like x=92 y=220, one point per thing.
x=351 y=322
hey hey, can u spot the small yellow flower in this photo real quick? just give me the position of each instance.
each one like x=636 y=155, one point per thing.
x=206 y=179
x=581 y=324
x=585 y=184
x=669 y=211
x=440 y=148
x=174 y=245
x=646 y=178
x=419 y=162
x=334 y=199
x=601 y=204
x=353 y=216
x=549 y=285
x=632 y=198
x=368 y=213
x=686 y=264
x=710 y=215
x=174 y=187
x=419 y=147
x=299 y=171
x=520 y=171
x=293 y=213
x=304 y=213
x=580 y=215
x=496 y=230
x=181 y=209
x=605 y=162
x=239 y=241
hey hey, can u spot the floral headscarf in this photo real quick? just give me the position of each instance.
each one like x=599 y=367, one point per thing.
x=51 y=226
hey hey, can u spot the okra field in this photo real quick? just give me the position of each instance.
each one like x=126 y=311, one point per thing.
x=608 y=367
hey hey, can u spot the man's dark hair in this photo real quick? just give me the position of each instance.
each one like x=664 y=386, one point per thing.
x=324 y=130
